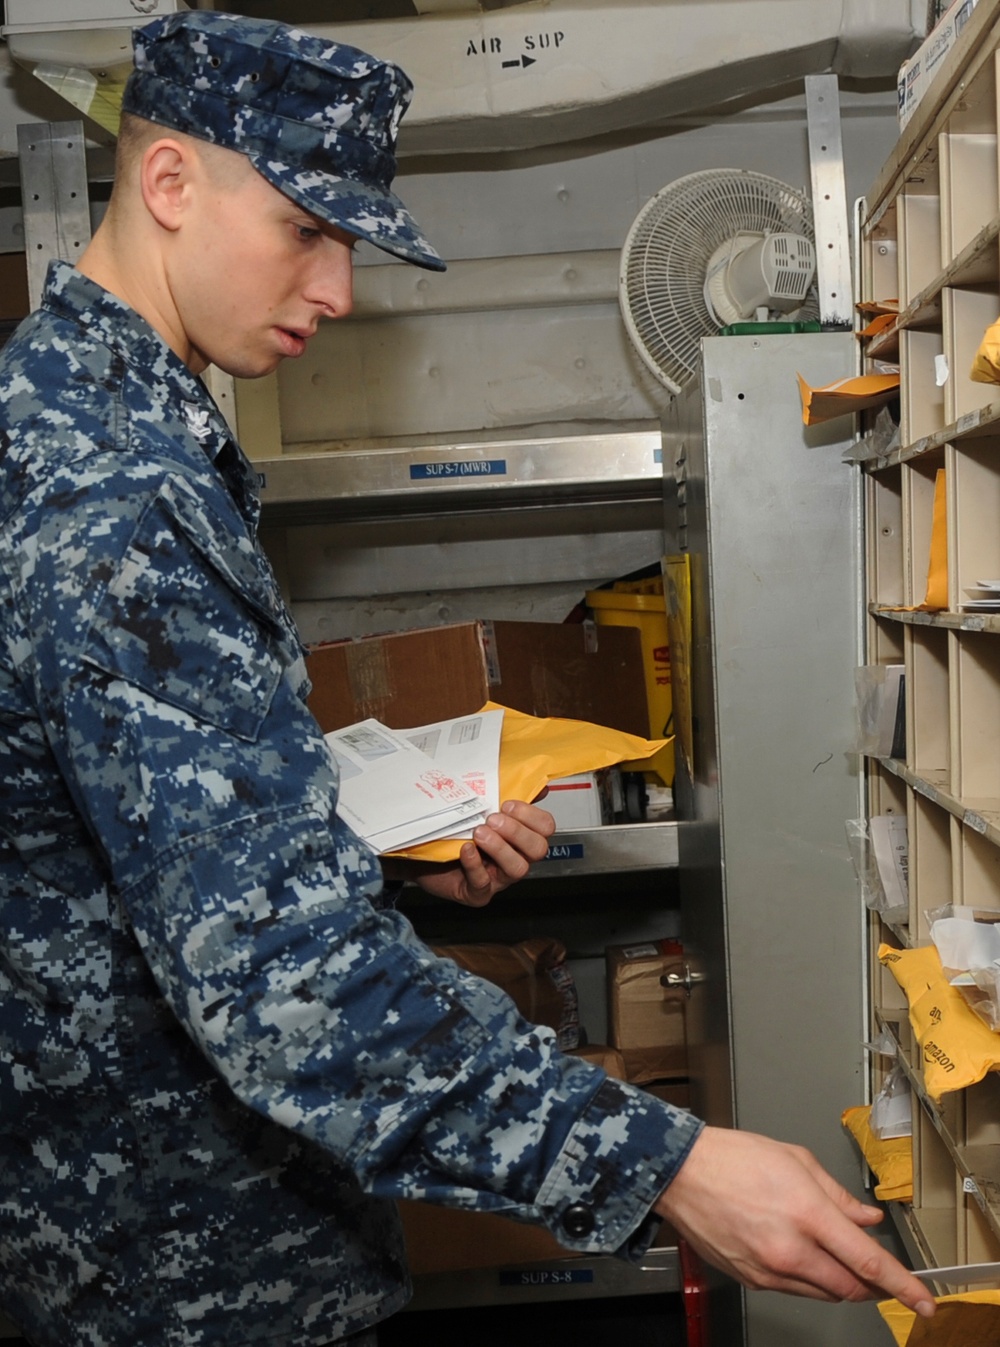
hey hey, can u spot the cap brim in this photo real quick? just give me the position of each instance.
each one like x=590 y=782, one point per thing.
x=367 y=212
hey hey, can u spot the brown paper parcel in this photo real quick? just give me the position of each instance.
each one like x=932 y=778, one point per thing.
x=534 y=975
x=646 y=1023
x=969 y=1320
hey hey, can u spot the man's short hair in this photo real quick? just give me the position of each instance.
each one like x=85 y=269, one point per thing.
x=136 y=134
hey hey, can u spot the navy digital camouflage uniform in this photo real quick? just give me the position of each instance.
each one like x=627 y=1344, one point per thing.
x=221 y=1056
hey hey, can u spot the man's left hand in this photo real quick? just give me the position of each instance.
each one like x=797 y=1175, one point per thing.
x=501 y=852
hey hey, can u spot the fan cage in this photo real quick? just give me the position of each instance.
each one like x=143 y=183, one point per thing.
x=667 y=250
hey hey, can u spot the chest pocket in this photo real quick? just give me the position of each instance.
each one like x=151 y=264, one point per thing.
x=192 y=617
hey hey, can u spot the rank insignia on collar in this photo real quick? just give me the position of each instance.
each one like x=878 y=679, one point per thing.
x=197 y=421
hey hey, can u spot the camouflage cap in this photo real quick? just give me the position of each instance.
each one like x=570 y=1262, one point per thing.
x=317 y=119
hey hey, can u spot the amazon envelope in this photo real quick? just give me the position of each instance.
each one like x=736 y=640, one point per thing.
x=957 y=1048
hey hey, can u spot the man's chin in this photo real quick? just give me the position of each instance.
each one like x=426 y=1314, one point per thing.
x=248 y=367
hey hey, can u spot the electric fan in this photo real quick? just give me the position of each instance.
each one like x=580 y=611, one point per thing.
x=717 y=247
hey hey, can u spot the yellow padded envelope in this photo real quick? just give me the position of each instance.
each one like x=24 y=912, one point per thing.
x=986 y=362
x=844 y=396
x=936 y=595
x=534 y=750
x=890 y=1160
x=956 y=1046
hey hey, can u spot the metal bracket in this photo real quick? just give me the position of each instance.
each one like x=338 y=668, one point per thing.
x=829 y=201
x=54 y=197
x=686 y=981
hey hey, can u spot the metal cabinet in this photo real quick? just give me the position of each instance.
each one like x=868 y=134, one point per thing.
x=768 y=515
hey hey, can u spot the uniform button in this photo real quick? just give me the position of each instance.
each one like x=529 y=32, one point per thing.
x=578 y=1220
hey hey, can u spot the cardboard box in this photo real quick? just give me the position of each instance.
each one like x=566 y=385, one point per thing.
x=676 y=1092
x=604 y=1056
x=541 y=668
x=917 y=73
x=14 y=303
x=441 y=1239
x=646 y=1022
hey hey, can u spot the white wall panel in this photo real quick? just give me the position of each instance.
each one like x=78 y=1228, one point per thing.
x=348 y=580
x=586 y=195
x=463 y=372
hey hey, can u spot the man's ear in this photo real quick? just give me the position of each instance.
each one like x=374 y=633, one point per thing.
x=165 y=179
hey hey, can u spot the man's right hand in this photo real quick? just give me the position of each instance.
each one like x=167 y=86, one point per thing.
x=769 y=1215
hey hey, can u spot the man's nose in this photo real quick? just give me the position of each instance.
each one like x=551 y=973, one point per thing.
x=332 y=283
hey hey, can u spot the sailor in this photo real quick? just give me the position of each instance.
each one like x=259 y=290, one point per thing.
x=224 y=1053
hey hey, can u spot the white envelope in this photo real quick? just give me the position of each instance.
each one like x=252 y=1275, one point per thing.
x=402 y=787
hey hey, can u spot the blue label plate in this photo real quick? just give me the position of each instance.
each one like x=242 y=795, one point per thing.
x=469 y=467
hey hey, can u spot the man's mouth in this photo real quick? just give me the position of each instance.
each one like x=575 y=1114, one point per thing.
x=292 y=342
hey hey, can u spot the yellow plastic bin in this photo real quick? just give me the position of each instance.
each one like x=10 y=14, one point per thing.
x=618 y=608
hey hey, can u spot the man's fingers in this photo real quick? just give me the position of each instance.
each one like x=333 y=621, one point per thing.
x=514 y=838
x=502 y=851
x=479 y=886
x=859 y=1212
x=539 y=823
x=796 y=1269
x=872 y=1268
x=770 y=1215
x=875 y=1269
x=525 y=828
x=509 y=862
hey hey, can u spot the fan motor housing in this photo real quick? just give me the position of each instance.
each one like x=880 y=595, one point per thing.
x=759 y=271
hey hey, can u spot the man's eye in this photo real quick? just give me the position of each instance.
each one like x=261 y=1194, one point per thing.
x=306 y=232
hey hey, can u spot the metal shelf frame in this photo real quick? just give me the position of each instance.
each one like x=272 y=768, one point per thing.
x=586 y=1278
x=609 y=467
x=618 y=848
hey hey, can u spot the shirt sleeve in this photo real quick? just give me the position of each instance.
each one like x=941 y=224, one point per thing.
x=211 y=794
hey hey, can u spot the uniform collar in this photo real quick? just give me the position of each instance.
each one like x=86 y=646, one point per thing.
x=109 y=321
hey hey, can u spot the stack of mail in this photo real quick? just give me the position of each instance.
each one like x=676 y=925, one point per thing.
x=399 y=788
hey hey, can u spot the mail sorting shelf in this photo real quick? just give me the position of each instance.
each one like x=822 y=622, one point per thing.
x=587 y=1278
x=931 y=236
x=670 y=1309
x=949 y=790
x=620 y=848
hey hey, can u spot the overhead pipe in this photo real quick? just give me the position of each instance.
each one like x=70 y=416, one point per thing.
x=550 y=71
x=561 y=70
